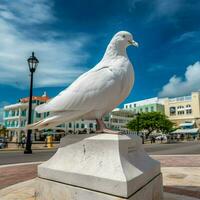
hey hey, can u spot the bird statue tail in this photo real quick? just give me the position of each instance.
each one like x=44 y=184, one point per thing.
x=54 y=120
x=49 y=122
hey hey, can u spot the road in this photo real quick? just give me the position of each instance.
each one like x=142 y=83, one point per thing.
x=10 y=157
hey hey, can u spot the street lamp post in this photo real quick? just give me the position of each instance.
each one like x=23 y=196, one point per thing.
x=32 y=63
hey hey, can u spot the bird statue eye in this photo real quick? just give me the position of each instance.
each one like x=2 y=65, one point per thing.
x=123 y=36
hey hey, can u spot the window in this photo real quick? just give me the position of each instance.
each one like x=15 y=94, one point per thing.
x=23 y=123
x=17 y=112
x=130 y=106
x=189 y=111
x=181 y=112
x=91 y=125
x=82 y=125
x=23 y=113
x=141 y=110
x=77 y=125
x=146 y=109
x=6 y=113
x=13 y=113
x=46 y=114
x=172 y=111
x=38 y=115
x=152 y=108
x=135 y=105
x=188 y=106
x=180 y=107
x=70 y=125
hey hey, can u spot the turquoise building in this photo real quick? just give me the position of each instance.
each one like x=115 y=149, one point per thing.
x=148 y=105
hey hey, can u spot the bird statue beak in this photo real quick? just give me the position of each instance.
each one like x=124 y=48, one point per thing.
x=134 y=43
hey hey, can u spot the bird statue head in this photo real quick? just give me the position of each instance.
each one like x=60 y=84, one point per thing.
x=118 y=44
x=124 y=39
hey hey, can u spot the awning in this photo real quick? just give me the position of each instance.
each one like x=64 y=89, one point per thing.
x=187 y=124
x=186 y=131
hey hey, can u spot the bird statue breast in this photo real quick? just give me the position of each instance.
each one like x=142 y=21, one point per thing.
x=95 y=92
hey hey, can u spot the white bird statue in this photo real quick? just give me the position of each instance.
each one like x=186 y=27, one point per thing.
x=95 y=92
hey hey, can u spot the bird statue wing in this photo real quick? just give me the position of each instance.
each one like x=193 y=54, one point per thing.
x=88 y=92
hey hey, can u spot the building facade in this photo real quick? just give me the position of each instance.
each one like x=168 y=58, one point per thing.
x=118 y=119
x=148 y=105
x=15 y=116
x=184 y=109
x=15 y=119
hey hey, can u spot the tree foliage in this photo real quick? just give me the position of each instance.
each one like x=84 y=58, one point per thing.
x=149 y=122
x=3 y=131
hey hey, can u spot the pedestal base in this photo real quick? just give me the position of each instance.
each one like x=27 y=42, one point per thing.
x=51 y=190
x=102 y=166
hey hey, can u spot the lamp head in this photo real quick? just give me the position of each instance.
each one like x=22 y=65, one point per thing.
x=32 y=62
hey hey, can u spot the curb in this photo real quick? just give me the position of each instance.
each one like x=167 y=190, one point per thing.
x=21 y=150
x=21 y=164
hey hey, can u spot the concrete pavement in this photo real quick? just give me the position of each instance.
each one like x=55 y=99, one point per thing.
x=26 y=191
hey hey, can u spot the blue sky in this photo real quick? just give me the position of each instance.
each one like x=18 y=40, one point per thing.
x=70 y=37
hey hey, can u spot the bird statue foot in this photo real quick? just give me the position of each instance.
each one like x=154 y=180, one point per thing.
x=109 y=131
x=102 y=128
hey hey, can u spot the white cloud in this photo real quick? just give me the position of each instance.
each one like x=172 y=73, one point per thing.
x=155 y=68
x=31 y=11
x=61 y=57
x=192 y=36
x=178 y=86
x=165 y=9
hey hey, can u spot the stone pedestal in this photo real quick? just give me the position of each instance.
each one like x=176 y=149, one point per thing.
x=103 y=166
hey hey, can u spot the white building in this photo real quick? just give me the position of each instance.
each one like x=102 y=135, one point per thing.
x=118 y=119
x=16 y=116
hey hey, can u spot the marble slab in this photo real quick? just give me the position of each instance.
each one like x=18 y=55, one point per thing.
x=106 y=163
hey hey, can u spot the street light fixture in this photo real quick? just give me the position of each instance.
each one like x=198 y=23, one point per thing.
x=32 y=63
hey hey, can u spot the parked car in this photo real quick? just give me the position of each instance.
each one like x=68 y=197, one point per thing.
x=2 y=143
x=161 y=137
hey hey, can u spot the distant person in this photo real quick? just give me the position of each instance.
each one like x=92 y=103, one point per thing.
x=23 y=141
x=178 y=137
x=19 y=142
x=153 y=139
x=6 y=142
x=45 y=142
